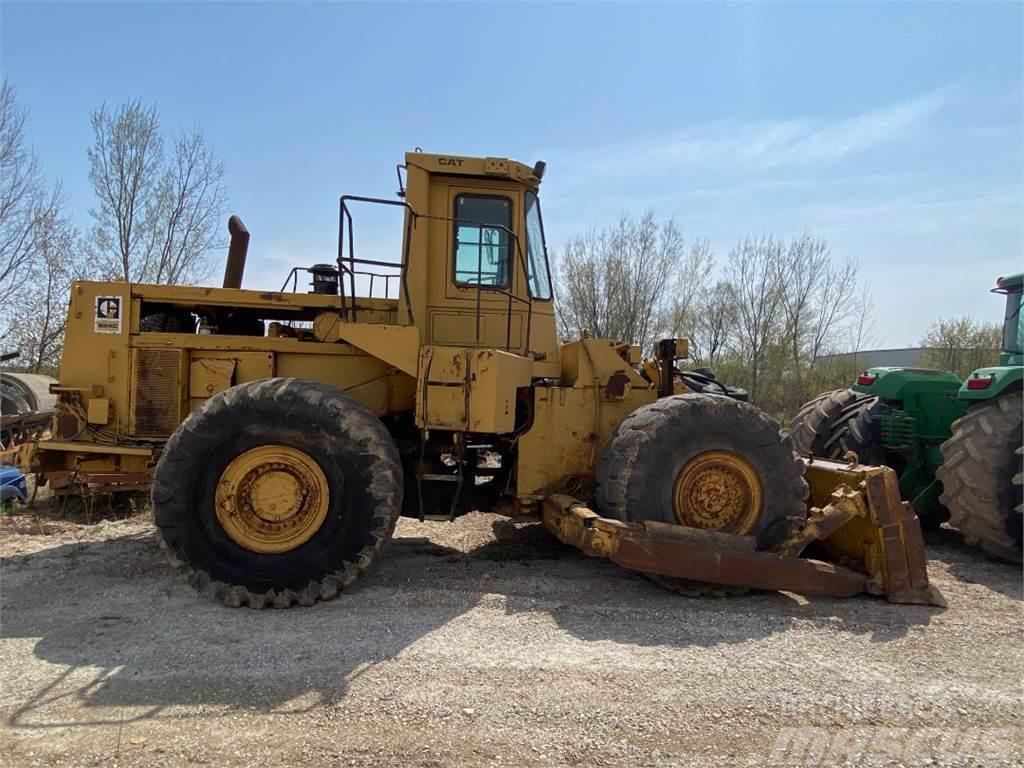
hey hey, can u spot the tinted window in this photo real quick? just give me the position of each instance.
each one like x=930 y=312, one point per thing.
x=482 y=249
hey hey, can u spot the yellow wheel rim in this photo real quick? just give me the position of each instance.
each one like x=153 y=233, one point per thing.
x=272 y=499
x=718 y=491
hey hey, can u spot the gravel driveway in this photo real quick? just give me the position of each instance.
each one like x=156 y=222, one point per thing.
x=486 y=642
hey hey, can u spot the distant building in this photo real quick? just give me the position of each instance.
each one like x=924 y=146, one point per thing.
x=907 y=357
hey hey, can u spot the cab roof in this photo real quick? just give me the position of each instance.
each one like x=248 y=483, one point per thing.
x=1010 y=282
x=489 y=167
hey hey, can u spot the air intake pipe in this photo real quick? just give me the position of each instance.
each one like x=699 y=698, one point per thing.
x=237 y=250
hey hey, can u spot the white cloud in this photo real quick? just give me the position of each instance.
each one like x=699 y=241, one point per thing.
x=999 y=209
x=763 y=144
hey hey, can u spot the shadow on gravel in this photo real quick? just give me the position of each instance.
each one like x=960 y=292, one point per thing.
x=970 y=565
x=625 y=615
x=128 y=634
x=114 y=613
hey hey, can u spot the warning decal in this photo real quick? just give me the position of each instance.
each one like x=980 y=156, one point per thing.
x=108 y=314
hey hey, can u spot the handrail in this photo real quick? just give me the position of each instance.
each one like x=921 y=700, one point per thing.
x=348 y=303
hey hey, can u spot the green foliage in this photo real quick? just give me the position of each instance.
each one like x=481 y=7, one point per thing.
x=961 y=345
x=781 y=391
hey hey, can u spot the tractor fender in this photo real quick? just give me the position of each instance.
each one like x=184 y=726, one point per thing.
x=1004 y=378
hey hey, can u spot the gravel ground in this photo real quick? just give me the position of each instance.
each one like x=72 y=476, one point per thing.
x=486 y=642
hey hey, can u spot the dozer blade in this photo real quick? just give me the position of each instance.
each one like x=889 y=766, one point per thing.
x=856 y=519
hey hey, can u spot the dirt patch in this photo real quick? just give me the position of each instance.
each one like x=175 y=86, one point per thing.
x=484 y=642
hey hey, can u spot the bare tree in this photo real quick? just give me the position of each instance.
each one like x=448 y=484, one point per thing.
x=124 y=168
x=687 y=285
x=24 y=200
x=617 y=282
x=190 y=205
x=838 y=308
x=861 y=330
x=156 y=218
x=754 y=270
x=961 y=345
x=818 y=306
x=803 y=266
x=40 y=305
x=714 y=323
x=581 y=288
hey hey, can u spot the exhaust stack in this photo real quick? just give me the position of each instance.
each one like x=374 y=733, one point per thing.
x=235 y=267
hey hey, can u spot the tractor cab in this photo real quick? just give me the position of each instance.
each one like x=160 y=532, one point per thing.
x=1013 y=322
x=992 y=381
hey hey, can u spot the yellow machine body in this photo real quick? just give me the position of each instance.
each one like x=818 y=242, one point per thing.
x=465 y=345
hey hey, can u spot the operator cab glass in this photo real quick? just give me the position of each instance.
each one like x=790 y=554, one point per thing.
x=482 y=243
x=1013 y=326
x=538 y=273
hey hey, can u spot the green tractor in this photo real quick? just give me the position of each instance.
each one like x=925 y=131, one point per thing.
x=956 y=445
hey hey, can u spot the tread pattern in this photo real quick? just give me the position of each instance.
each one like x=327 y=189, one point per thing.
x=982 y=475
x=174 y=474
x=859 y=429
x=637 y=457
x=643 y=454
x=841 y=421
x=811 y=430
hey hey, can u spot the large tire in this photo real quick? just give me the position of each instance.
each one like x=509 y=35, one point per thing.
x=843 y=421
x=812 y=429
x=981 y=476
x=861 y=433
x=859 y=429
x=836 y=422
x=358 y=466
x=641 y=466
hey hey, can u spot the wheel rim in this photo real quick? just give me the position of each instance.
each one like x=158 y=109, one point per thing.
x=718 y=491
x=272 y=499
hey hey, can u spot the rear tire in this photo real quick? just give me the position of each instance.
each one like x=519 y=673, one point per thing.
x=982 y=474
x=811 y=430
x=842 y=421
x=859 y=430
x=338 y=443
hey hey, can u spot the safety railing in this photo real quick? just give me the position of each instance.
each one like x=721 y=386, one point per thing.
x=293 y=280
x=349 y=263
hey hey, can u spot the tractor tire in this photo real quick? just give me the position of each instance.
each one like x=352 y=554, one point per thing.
x=646 y=468
x=982 y=474
x=843 y=421
x=859 y=430
x=223 y=473
x=821 y=425
x=811 y=430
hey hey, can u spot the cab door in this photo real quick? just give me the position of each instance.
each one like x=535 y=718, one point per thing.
x=476 y=263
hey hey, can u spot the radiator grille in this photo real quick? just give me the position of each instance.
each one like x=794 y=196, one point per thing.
x=156 y=392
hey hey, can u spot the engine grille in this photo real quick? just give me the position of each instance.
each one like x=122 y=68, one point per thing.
x=156 y=392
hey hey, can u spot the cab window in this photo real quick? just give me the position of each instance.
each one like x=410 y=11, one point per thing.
x=482 y=244
x=536 y=251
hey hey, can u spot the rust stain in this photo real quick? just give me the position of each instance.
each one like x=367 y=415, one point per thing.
x=615 y=389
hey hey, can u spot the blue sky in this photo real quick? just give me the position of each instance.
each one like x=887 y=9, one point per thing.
x=893 y=130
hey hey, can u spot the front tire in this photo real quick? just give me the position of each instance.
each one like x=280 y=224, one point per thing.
x=705 y=461
x=276 y=492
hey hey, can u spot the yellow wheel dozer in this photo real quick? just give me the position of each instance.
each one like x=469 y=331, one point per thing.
x=284 y=432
